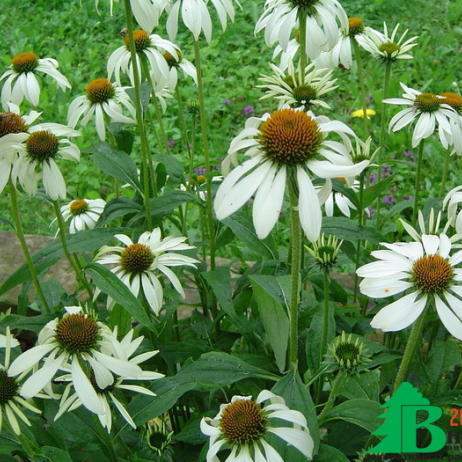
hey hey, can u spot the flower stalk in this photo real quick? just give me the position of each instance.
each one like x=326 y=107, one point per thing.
x=74 y=262
x=362 y=87
x=414 y=339
x=22 y=241
x=206 y=151
x=295 y=266
x=418 y=180
x=145 y=153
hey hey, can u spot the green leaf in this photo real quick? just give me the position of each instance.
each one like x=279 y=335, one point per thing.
x=211 y=371
x=220 y=282
x=242 y=228
x=344 y=228
x=165 y=204
x=173 y=166
x=443 y=356
x=297 y=396
x=83 y=241
x=361 y=412
x=32 y=323
x=372 y=192
x=111 y=285
x=365 y=386
x=119 y=207
x=116 y=163
x=273 y=315
x=330 y=454
x=55 y=454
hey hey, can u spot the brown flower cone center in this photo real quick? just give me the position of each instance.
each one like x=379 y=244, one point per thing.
x=290 y=137
x=432 y=273
x=136 y=258
x=42 y=145
x=99 y=91
x=243 y=422
x=11 y=123
x=77 y=333
x=25 y=62
x=141 y=38
x=78 y=206
x=8 y=388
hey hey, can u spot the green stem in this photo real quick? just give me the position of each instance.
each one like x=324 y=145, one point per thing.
x=332 y=395
x=75 y=264
x=145 y=152
x=415 y=338
x=362 y=87
x=296 y=246
x=418 y=180
x=360 y=224
x=206 y=152
x=25 y=250
x=386 y=84
x=183 y=129
x=444 y=177
x=325 y=316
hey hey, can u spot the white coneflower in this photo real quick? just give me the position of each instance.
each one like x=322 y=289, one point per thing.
x=146 y=12
x=138 y=264
x=41 y=147
x=162 y=91
x=66 y=343
x=451 y=203
x=454 y=138
x=12 y=405
x=429 y=109
x=21 y=81
x=287 y=55
x=82 y=213
x=427 y=271
x=107 y=395
x=246 y=426
x=103 y=99
x=196 y=16
x=284 y=146
x=324 y=18
x=340 y=200
x=341 y=53
x=325 y=251
x=431 y=225
x=13 y=126
x=386 y=47
x=148 y=47
x=178 y=61
x=298 y=89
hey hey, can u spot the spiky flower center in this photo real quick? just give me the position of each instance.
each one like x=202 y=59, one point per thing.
x=25 y=62
x=355 y=26
x=427 y=102
x=171 y=59
x=348 y=354
x=389 y=48
x=77 y=333
x=8 y=388
x=243 y=422
x=452 y=99
x=100 y=91
x=136 y=258
x=305 y=4
x=432 y=273
x=11 y=123
x=78 y=206
x=290 y=137
x=141 y=38
x=304 y=94
x=42 y=145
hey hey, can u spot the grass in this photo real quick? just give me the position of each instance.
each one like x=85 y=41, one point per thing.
x=81 y=40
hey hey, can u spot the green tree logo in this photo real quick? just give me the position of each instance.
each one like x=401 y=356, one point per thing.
x=401 y=423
